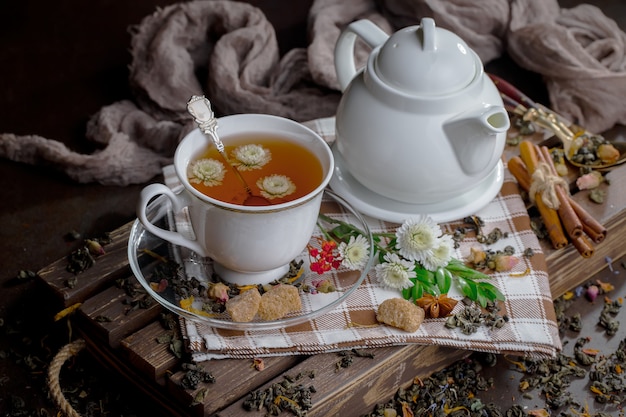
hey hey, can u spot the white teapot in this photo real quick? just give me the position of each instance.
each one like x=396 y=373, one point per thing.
x=421 y=123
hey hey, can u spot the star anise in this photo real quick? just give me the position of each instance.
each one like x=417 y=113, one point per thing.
x=436 y=306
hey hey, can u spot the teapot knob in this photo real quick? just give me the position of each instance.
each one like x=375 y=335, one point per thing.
x=428 y=32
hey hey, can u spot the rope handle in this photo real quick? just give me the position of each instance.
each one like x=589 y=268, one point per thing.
x=66 y=352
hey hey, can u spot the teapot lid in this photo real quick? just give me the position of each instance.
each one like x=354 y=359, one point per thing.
x=426 y=60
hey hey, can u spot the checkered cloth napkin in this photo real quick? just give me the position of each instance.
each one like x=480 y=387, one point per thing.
x=531 y=329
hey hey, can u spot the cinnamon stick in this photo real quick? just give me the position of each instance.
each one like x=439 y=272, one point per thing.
x=593 y=228
x=571 y=223
x=550 y=217
x=528 y=153
x=518 y=169
x=590 y=226
x=583 y=246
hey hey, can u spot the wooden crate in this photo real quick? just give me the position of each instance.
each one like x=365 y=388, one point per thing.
x=126 y=338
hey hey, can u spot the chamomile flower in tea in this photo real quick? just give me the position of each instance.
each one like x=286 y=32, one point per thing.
x=417 y=237
x=354 y=254
x=250 y=156
x=395 y=272
x=209 y=172
x=276 y=186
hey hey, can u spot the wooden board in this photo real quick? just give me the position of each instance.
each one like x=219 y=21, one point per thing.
x=357 y=389
x=107 y=268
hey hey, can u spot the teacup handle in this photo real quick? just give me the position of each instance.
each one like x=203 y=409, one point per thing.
x=178 y=203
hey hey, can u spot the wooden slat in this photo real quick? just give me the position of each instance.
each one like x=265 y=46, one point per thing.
x=234 y=379
x=152 y=394
x=115 y=304
x=143 y=351
x=108 y=267
x=357 y=389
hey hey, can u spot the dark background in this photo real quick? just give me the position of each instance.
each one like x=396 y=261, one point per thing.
x=60 y=62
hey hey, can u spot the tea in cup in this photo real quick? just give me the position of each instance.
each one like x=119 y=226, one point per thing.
x=282 y=161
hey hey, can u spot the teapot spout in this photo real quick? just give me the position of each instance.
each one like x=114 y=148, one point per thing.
x=474 y=137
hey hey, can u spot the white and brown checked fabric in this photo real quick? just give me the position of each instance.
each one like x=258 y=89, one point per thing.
x=531 y=329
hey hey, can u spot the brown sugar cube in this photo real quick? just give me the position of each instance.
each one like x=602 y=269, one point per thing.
x=278 y=302
x=400 y=313
x=243 y=307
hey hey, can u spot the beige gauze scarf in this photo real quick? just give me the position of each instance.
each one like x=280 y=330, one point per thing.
x=228 y=51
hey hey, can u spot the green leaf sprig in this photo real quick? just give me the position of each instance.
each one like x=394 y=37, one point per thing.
x=473 y=284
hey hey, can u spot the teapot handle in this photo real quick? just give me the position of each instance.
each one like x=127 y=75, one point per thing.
x=344 y=49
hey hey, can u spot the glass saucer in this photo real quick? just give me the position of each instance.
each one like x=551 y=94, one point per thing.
x=148 y=253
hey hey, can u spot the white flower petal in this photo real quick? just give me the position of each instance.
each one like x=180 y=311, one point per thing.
x=354 y=254
x=441 y=254
x=395 y=272
x=416 y=238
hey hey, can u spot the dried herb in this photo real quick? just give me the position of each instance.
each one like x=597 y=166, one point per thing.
x=84 y=257
x=471 y=317
x=172 y=338
x=607 y=316
x=524 y=127
x=289 y=395
x=199 y=397
x=492 y=237
x=561 y=304
x=103 y=319
x=194 y=376
x=169 y=321
x=347 y=357
x=130 y=286
x=597 y=195
x=538 y=227
x=449 y=392
x=142 y=302
x=80 y=260
x=24 y=275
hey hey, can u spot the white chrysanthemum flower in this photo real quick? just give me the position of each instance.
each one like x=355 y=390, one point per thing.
x=354 y=253
x=416 y=238
x=209 y=172
x=276 y=186
x=249 y=157
x=395 y=272
x=441 y=254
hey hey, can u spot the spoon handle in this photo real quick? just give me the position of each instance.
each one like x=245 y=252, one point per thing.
x=200 y=108
x=507 y=88
x=539 y=114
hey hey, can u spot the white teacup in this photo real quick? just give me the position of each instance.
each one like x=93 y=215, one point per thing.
x=248 y=244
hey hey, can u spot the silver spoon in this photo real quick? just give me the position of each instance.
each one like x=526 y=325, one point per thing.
x=518 y=103
x=200 y=108
x=551 y=121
